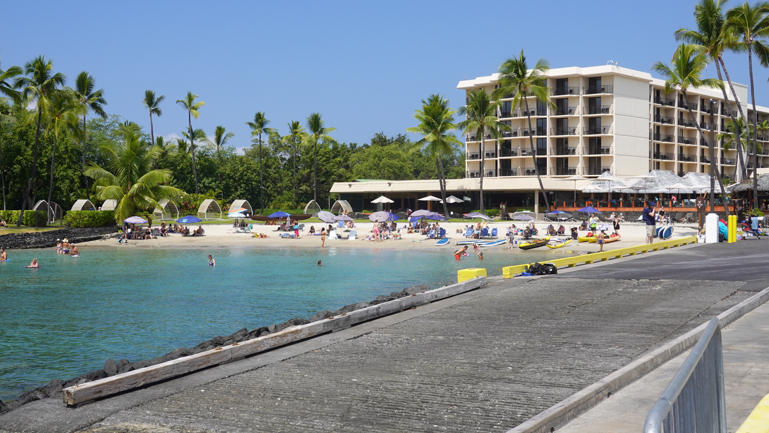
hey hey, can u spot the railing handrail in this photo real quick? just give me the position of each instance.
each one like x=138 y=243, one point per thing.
x=659 y=412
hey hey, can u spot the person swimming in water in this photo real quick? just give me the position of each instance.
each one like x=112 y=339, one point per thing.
x=319 y=264
x=211 y=261
x=3 y=255
x=480 y=255
x=75 y=252
x=34 y=264
x=458 y=253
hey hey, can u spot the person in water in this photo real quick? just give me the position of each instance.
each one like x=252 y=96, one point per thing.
x=462 y=251
x=34 y=264
x=75 y=252
x=211 y=261
x=3 y=255
x=319 y=264
x=480 y=255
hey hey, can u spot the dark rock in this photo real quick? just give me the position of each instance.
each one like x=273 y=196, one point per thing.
x=11 y=405
x=122 y=363
x=218 y=341
x=2 y=407
x=298 y=321
x=381 y=299
x=94 y=375
x=110 y=367
x=202 y=347
x=176 y=354
x=271 y=329
x=397 y=295
x=139 y=364
x=281 y=326
x=53 y=389
x=323 y=315
x=240 y=335
x=30 y=396
x=48 y=239
x=352 y=307
x=413 y=290
x=256 y=333
x=125 y=368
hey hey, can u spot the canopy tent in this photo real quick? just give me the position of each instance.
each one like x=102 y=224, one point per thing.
x=421 y=212
x=167 y=210
x=210 y=209
x=83 y=204
x=433 y=217
x=109 y=204
x=53 y=210
x=237 y=204
x=382 y=199
x=312 y=208
x=341 y=206
x=383 y=216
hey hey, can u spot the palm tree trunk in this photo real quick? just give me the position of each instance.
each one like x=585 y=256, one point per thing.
x=534 y=155
x=2 y=168
x=483 y=161
x=85 y=143
x=442 y=184
x=192 y=145
x=711 y=151
x=28 y=190
x=740 y=159
x=315 y=172
x=53 y=162
x=152 y=137
x=261 y=178
x=755 y=130
x=294 y=158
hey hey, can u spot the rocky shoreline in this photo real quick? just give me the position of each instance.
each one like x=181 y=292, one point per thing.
x=54 y=388
x=48 y=239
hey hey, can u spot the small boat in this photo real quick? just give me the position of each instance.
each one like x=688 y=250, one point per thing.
x=586 y=238
x=534 y=243
x=444 y=241
x=558 y=243
x=612 y=238
x=493 y=243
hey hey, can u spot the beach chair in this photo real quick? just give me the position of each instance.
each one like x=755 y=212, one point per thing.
x=494 y=232
x=352 y=236
x=469 y=232
x=431 y=235
x=332 y=235
x=340 y=224
x=442 y=234
x=484 y=232
x=155 y=232
x=249 y=228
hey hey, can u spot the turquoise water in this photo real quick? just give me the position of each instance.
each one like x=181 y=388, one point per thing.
x=71 y=315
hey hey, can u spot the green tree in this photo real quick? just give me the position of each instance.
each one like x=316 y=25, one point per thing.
x=6 y=88
x=192 y=108
x=130 y=179
x=152 y=104
x=516 y=78
x=711 y=37
x=36 y=87
x=751 y=23
x=436 y=119
x=686 y=71
x=61 y=116
x=729 y=137
x=88 y=99
x=317 y=131
x=382 y=162
x=221 y=137
x=296 y=135
x=259 y=126
x=481 y=114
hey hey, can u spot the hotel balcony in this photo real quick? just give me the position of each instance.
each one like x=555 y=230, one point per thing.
x=570 y=90
x=665 y=120
x=686 y=140
x=570 y=111
x=686 y=123
x=603 y=150
x=662 y=137
x=597 y=90
x=708 y=126
x=508 y=172
x=508 y=152
x=603 y=109
x=685 y=105
x=473 y=156
x=509 y=134
x=670 y=102
x=491 y=154
x=704 y=159
x=503 y=114
x=530 y=172
x=599 y=130
x=563 y=171
x=687 y=158
x=663 y=156
x=563 y=151
x=593 y=171
x=564 y=131
x=535 y=132
x=705 y=108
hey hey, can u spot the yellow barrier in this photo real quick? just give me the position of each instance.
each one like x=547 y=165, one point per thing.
x=732 y=226
x=758 y=420
x=469 y=274
x=510 y=271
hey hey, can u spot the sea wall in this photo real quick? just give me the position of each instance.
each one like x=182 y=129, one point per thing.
x=48 y=238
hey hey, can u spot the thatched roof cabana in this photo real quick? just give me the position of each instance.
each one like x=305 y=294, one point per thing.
x=210 y=209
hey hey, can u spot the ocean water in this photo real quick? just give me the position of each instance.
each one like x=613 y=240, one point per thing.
x=70 y=315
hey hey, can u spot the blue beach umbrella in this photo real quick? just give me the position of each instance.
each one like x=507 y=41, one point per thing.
x=189 y=219
x=433 y=217
x=589 y=209
x=279 y=214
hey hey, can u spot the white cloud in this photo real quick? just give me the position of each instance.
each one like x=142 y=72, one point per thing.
x=171 y=137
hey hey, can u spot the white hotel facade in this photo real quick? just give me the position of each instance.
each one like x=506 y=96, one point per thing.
x=606 y=119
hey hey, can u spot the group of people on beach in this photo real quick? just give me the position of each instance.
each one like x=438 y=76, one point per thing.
x=382 y=231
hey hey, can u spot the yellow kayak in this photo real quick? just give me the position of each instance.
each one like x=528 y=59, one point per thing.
x=558 y=243
x=534 y=243
x=587 y=239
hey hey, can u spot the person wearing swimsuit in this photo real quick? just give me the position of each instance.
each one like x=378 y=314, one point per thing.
x=458 y=253
x=211 y=261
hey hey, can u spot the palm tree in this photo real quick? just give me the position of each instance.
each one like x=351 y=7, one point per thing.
x=711 y=38
x=37 y=87
x=317 y=132
x=221 y=136
x=152 y=103
x=88 y=99
x=295 y=136
x=167 y=148
x=733 y=131
x=259 y=126
x=6 y=88
x=436 y=119
x=751 y=23
x=129 y=178
x=192 y=107
x=684 y=72
x=186 y=144
x=481 y=116
x=516 y=78
x=61 y=113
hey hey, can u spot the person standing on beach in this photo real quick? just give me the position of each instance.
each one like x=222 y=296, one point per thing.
x=323 y=238
x=649 y=215
x=599 y=239
x=296 y=228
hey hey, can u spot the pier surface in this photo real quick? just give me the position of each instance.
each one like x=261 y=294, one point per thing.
x=482 y=361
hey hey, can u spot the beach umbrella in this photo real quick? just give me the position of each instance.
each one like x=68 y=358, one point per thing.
x=558 y=212
x=382 y=216
x=478 y=215
x=433 y=217
x=524 y=212
x=235 y=215
x=429 y=198
x=342 y=218
x=189 y=219
x=279 y=214
x=589 y=209
x=523 y=217
x=326 y=217
x=135 y=220
x=574 y=179
x=421 y=212
x=382 y=199
x=451 y=199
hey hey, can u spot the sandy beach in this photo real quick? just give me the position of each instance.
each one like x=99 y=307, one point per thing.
x=222 y=236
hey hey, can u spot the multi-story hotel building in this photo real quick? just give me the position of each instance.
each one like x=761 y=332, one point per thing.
x=605 y=119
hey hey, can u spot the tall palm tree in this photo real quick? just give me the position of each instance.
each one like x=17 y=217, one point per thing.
x=152 y=103
x=221 y=137
x=129 y=178
x=711 y=38
x=259 y=126
x=192 y=108
x=516 y=78
x=481 y=116
x=295 y=136
x=167 y=148
x=436 y=119
x=686 y=71
x=36 y=87
x=88 y=99
x=317 y=132
x=61 y=116
x=185 y=145
x=751 y=23
x=6 y=88
x=730 y=136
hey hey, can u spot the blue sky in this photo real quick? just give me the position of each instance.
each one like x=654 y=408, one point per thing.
x=363 y=65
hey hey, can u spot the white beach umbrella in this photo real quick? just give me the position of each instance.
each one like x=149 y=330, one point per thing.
x=382 y=199
x=429 y=198
x=451 y=199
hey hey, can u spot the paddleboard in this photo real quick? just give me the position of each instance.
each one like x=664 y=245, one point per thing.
x=444 y=241
x=75 y=256
x=664 y=232
x=558 y=243
x=493 y=244
x=471 y=242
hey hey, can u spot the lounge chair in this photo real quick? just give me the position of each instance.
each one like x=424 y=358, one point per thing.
x=431 y=234
x=484 y=232
x=469 y=232
x=332 y=235
x=494 y=232
x=442 y=234
x=352 y=236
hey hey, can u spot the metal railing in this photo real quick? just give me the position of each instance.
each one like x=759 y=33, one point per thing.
x=473 y=156
x=686 y=123
x=593 y=90
x=508 y=172
x=686 y=140
x=662 y=137
x=508 y=152
x=564 y=131
x=568 y=90
x=663 y=156
x=563 y=151
x=600 y=109
x=687 y=158
x=663 y=119
x=563 y=171
x=670 y=102
x=596 y=130
x=694 y=400
x=565 y=111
